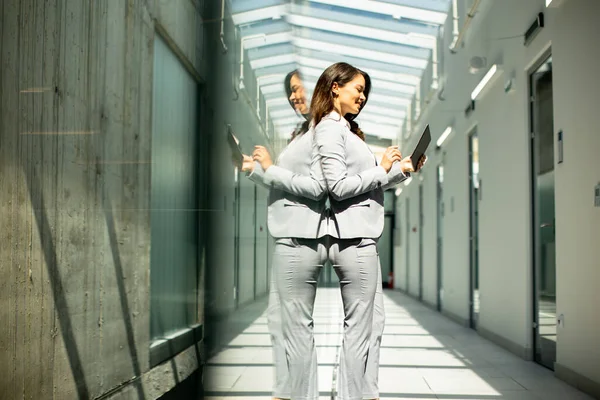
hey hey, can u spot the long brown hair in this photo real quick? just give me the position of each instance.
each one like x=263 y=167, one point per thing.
x=322 y=99
x=303 y=127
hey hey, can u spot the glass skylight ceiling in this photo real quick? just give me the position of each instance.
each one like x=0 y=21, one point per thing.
x=392 y=40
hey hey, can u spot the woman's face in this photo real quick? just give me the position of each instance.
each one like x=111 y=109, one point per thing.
x=298 y=97
x=351 y=96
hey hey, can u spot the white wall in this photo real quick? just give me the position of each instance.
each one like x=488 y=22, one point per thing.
x=502 y=123
x=575 y=31
x=429 y=235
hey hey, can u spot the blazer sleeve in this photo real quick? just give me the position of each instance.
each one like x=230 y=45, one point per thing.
x=300 y=185
x=331 y=149
x=395 y=176
x=258 y=175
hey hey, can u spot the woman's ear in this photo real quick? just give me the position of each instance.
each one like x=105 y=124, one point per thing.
x=335 y=89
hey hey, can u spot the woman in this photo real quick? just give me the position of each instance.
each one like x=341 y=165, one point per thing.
x=296 y=204
x=355 y=184
x=281 y=179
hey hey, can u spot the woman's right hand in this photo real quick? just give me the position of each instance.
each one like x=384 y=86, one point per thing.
x=391 y=155
x=247 y=164
x=261 y=154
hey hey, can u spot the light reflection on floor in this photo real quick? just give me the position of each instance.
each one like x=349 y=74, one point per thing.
x=424 y=356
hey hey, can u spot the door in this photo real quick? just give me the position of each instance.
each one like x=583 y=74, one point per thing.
x=440 y=236
x=544 y=242
x=407 y=245
x=421 y=242
x=236 y=239
x=474 y=196
x=385 y=244
x=386 y=248
x=255 y=241
x=327 y=278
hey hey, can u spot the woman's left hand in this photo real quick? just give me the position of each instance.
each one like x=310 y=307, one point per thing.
x=261 y=154
x=247 y=164
x=407 y=166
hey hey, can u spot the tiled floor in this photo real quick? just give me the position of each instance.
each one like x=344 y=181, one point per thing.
x=424 y=355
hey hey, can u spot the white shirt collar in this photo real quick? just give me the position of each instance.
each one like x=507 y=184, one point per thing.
x=335 y=116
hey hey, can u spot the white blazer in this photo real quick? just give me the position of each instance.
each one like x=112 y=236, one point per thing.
x=354 y=181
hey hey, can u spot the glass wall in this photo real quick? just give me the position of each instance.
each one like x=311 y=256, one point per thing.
x=174 y=197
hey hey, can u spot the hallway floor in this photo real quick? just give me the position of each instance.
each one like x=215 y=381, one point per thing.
x=424 y=355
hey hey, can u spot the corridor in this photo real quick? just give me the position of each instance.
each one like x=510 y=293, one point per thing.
x=424 y=355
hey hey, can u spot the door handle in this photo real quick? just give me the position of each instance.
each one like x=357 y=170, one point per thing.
x=546 y=225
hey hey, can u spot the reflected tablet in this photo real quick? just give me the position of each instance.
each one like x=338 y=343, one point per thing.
x=421 y=146
x=236 y=152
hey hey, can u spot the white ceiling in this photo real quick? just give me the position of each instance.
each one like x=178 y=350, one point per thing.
x=391 y=40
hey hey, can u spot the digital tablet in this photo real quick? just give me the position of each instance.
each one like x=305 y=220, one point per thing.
x=421 y=147
x=236 y=152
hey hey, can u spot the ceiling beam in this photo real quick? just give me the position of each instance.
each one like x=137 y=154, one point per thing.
x=379 y=142
x=379 y=119
x=252 y=42
x=272 y=61
x=397 y=11
x=272 y=79
x=275 y=69
x=326 y=23
x=240 y=6
x=381 y=86
x=399 y=89
x=260 y=14
x=349 y=50
x=282 y=113
x=378 y=96
x=322 y=59
x=343 y=38
x=270 y=51
x=266 y=27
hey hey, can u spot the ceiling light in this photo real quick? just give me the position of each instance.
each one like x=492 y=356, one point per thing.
x=554 y=3
x=443 y=136
x=492 y=73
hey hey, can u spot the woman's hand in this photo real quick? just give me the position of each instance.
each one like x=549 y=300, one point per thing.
x=391 y=155
x=261 y=154
x=247 y=164
x=406 y=164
